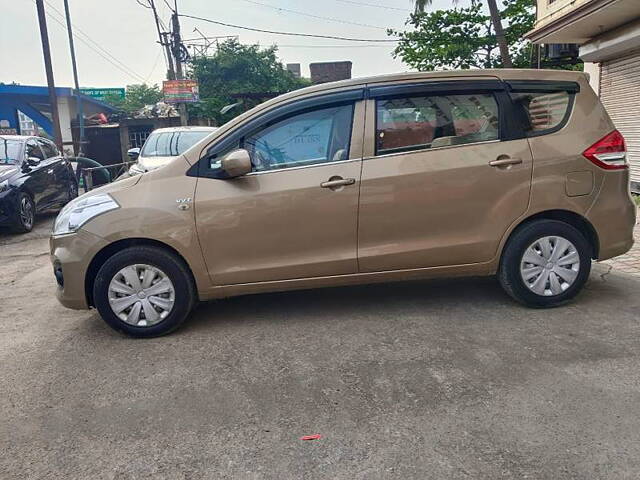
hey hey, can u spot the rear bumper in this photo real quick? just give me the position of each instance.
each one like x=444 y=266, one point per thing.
x=71 y=256
x=613 y=215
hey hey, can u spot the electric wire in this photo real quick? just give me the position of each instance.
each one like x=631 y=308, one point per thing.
x=363 y=4
x=292 y=34
x=296 y=12
x=78 y=34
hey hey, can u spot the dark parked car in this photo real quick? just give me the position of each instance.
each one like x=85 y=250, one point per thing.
x=34 y=176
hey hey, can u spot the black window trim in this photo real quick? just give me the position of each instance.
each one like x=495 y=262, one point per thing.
x=274 y=115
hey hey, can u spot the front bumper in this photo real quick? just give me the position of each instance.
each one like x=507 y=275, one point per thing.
x=71 y=256
x=8 y=207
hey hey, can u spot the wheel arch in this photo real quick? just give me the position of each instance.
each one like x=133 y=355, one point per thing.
x=106 y=252
x=579 y=222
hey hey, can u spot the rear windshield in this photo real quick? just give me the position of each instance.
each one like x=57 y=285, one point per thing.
x=10 y=151
x=171 y=144
x=544 y=112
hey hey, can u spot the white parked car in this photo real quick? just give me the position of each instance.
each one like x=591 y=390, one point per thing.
x=163 y=145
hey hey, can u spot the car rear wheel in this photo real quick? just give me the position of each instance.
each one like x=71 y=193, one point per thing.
x=26 y=214
x=144 y=291
x=545 y=263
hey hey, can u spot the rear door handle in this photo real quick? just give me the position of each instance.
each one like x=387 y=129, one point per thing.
x=337 y=182
x=503 y=162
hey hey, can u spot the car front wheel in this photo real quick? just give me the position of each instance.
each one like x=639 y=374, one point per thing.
x=545 y=263
x=26 y=214
x=144 y=291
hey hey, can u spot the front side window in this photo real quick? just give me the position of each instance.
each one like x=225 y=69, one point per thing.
x=49 y=149
x=33 y=150
x=318 y=136
x=424 y=122
x=171 y=144
x=544 y=111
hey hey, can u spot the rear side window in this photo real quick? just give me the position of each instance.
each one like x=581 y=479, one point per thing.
x=544 y=112
x=423 y=122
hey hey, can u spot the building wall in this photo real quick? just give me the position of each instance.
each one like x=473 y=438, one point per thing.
x=593 y=70
x=330 y=71
x=549 y=10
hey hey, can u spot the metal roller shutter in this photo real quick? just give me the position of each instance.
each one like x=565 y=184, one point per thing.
x=620 y=93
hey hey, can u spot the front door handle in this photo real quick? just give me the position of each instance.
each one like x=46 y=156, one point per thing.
x=505 y=161
x=337 y=182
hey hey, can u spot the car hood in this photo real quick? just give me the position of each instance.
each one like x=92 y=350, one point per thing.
x=7 y=171
x=151 y=163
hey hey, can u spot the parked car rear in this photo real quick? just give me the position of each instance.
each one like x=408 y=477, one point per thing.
x=518 y=173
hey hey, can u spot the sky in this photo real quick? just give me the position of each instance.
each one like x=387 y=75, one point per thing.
x=116 y=40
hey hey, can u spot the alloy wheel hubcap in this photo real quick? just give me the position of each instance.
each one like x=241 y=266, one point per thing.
x=550 y=265
x=26 y=212
x=141 y=295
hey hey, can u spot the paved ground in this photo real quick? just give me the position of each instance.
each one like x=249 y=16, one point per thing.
x=426 y=380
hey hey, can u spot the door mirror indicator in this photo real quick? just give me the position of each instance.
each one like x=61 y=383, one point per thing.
x=236 y=163
x=33 y=161
x=133 y=153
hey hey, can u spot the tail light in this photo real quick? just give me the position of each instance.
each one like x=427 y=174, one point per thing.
x=609 y=153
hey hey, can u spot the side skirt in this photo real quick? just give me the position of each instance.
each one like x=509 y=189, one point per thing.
x=468 y=270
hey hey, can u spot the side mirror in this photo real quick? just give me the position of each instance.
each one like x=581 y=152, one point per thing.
x=33 y=161
x=133 y=153
x=236 y=163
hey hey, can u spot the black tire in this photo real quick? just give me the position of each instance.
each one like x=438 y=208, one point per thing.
x=25 y=215
x=509 y=273
x=174 y=268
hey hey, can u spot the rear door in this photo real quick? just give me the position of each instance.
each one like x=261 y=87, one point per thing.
x=444 y=175
x=56 y=172
x=36 y=182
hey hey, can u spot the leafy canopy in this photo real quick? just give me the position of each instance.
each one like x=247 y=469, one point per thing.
x=238 y=69
x=136 y=97
x=463 y=37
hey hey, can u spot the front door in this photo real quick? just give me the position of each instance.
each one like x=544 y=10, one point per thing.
x=295 y=215
x=442 y=183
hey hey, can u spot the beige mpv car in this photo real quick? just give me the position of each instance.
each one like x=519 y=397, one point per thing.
x=516 y=173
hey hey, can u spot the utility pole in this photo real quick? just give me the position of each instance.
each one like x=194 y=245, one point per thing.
x=46 y=51
x=164 y=42
x=177 y=46
x=75 y=79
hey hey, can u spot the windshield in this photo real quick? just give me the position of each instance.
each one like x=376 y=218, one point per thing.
x=10 y=151
x=171 y=144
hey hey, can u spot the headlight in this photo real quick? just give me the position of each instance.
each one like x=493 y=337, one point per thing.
x=79 y=211
x=136 y=169
x=4 y=186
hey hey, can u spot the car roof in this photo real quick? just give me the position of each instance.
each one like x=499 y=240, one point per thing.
x=194 y=128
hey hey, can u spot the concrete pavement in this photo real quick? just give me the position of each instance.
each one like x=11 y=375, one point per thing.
x=426 y=380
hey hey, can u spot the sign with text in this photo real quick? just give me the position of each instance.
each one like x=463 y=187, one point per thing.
x=180 y=91
x=102 y=93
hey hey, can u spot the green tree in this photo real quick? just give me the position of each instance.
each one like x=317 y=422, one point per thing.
x=238 y=69
x=464 y=37
x=136 y=97
x=496 y=20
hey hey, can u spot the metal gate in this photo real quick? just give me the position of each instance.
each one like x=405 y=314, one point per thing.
x=620 y=93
